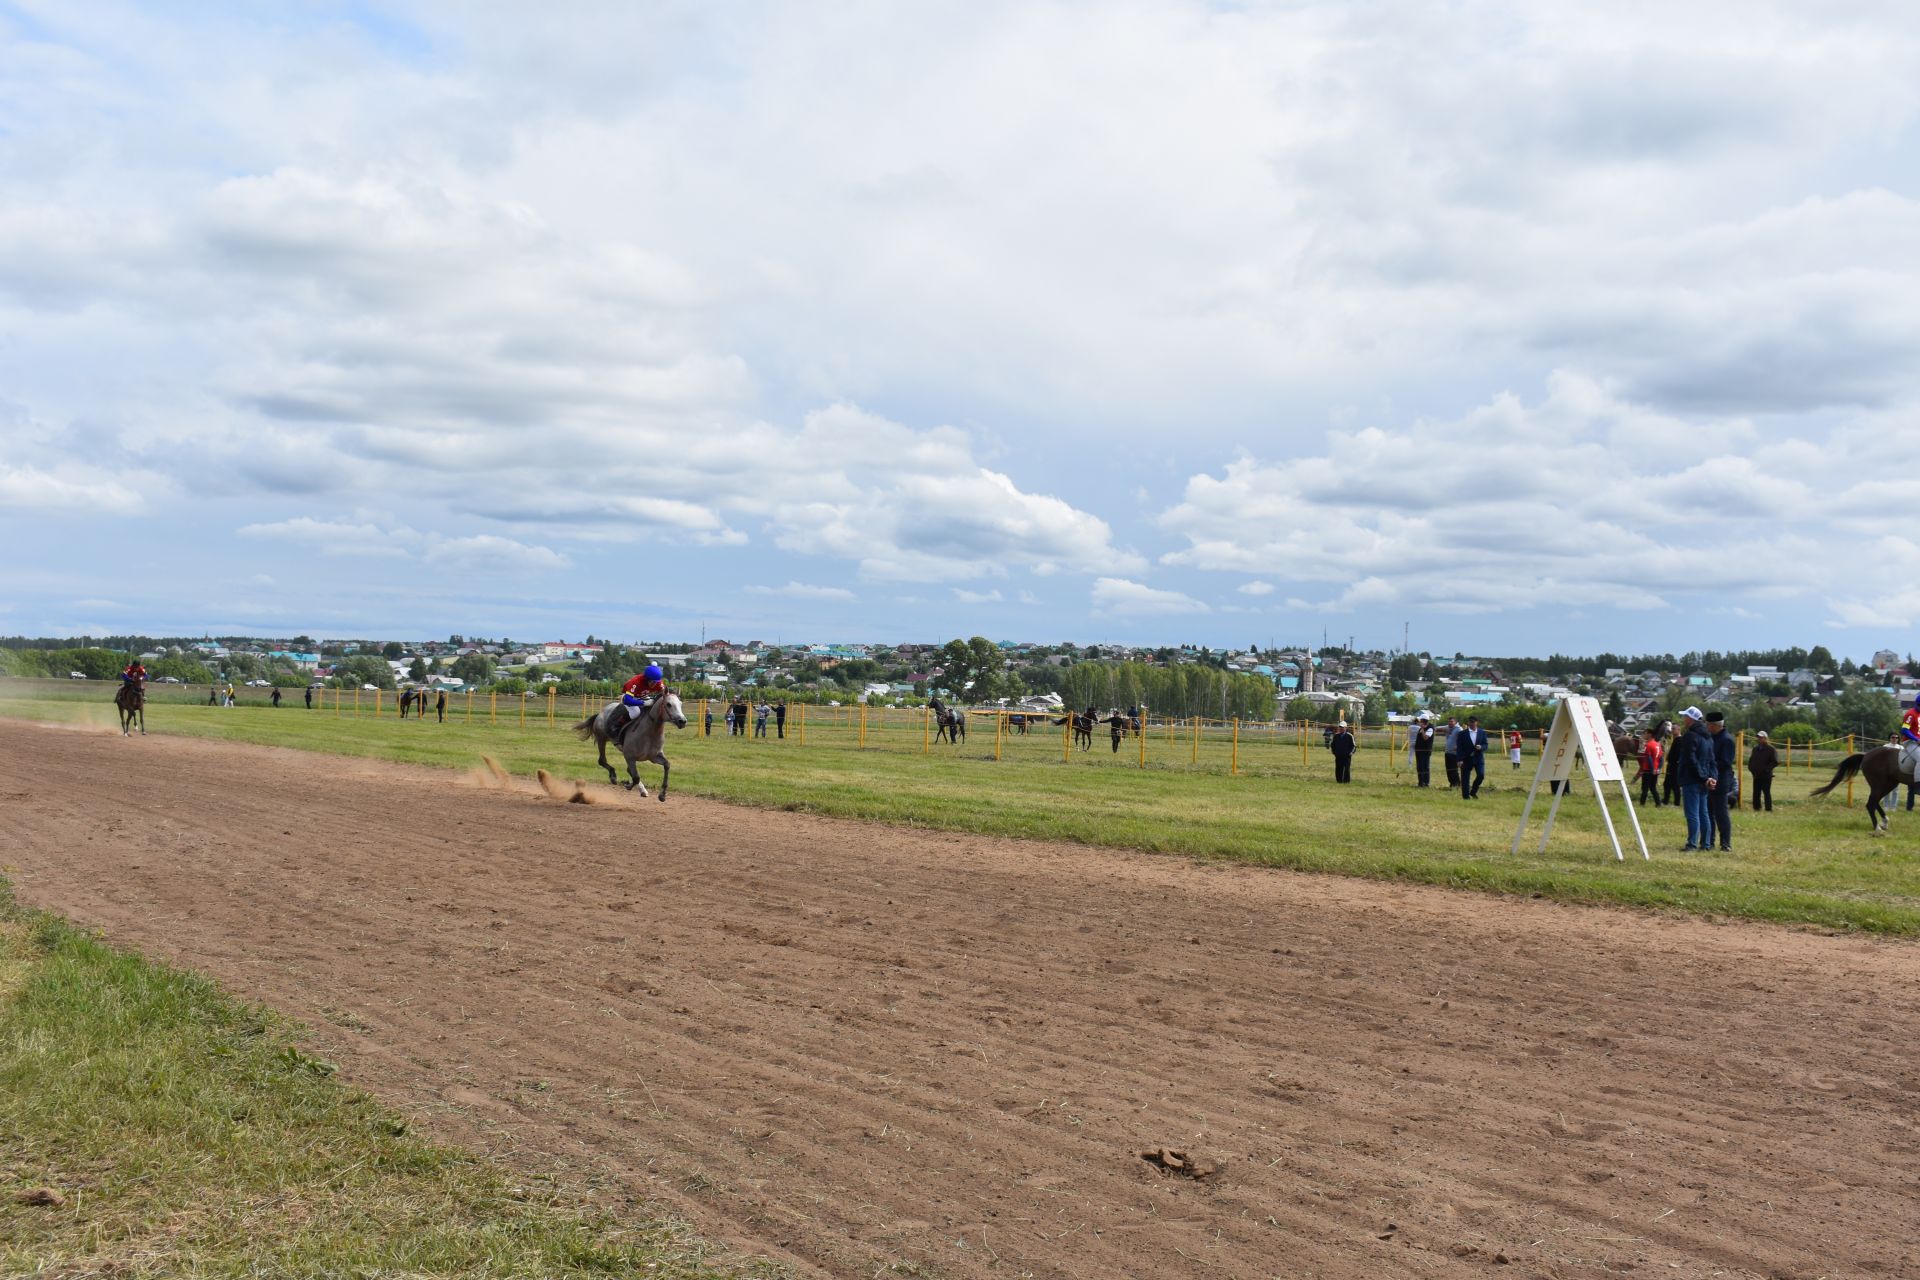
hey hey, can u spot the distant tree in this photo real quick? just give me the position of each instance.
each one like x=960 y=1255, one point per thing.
x=971 y=668
x=1818 y=659
x=417 y=670
x=473 y=668
x=393 y=650
x=1616 y=709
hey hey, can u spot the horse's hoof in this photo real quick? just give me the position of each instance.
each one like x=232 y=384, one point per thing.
x=663 y=797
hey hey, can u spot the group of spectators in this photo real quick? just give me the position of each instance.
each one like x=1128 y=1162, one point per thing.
x=1463 y=746
x=738 y=711
x=1698 y=768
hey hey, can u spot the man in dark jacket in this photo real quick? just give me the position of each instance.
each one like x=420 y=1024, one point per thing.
x=1726 y=773
x=1696 y=773
x=1342 y=745
x=780 y=717
x=1451 y=745
x=1423 y=752
x=1762 y=762
x=1470 y=744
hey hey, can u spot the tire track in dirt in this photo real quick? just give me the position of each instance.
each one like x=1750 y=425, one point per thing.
x=851 y=1046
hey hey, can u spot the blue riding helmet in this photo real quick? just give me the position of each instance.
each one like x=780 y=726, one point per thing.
x=653 y=672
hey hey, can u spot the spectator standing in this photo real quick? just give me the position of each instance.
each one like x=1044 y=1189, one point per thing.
x=1650 y=757
x=1452 y=745
x=276 y=696
x=1471 y=746
x=729 y=719
x=1669 y=739
x=1761 y=762
x=1342 y=745
x=1725 y=792
x=740 y=717
x=760 y=714
x=1692 y=767
x=1423 y=752
x=213 y=695
x=709 y=724
x=440 y=706
x=309 y=697
x=1513 y=744
x=229 y=693
x=780 y=718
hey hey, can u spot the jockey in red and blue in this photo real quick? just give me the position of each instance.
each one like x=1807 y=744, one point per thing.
x=1910 y=722
x=136 y=673
x=636 y=693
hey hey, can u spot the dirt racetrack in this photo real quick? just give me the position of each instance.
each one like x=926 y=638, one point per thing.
x=851 y=1047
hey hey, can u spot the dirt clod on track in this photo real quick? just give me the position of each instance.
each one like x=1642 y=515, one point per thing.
x=863 y=1050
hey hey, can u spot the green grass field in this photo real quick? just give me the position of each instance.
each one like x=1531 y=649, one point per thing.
x=1810 y=862
x=152 y=1126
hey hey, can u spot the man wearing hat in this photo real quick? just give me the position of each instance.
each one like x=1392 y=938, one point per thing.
x=1761 y=763
x=1422 y=748
x=1694 y=769
x=1726 y=775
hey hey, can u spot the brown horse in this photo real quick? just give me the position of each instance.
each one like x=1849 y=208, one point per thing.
x=132 y=701
x=1881 y=768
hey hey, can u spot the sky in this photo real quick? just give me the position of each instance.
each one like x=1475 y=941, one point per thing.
x=1508 y=328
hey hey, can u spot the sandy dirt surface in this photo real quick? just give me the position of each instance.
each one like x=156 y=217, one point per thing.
x=863 y=1050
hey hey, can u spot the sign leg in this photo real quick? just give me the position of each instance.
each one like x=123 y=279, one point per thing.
x=1600 y=794
x=1626 y=794
x=1553 y=812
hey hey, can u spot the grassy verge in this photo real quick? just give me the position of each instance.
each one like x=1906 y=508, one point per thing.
x=1809 y=862
x=152 y=1126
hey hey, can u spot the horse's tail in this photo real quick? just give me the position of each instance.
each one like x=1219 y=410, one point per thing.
x=585 y=727
x=1848 y=768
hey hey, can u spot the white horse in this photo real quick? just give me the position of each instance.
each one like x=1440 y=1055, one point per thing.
x=638 y=737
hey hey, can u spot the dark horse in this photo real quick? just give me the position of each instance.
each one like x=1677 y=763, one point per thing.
x=639 y=737
x=132 y=701
x=949 y=723
x=1083 y=722
x=1881 y=768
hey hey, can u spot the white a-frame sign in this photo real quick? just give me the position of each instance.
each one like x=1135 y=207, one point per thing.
x=1580 y=731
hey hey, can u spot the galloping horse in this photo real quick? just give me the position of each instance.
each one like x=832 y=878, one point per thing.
x=132 y=701
x=639 y=737
x=1881 y=768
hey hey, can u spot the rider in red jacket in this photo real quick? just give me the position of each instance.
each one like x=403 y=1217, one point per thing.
x=136 y=673
x=636 y=693
x=1910 y=722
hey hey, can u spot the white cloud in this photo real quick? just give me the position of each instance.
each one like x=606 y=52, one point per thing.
x=1255 y=588
x=965 y=596
x=1124 y=598
x=804 y=591
x=1581 y=500
x=472 y=552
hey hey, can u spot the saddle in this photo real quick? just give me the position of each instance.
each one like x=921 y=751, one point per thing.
x=1910 y=762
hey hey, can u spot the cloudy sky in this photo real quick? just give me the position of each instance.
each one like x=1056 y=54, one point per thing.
x=1528 y=326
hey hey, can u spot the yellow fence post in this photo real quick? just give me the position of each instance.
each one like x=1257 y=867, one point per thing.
x=1303 y=742
x=863 y=725
x=999 y=731
x=469 y=706
x=1066 y=737
x=1234 y=767
x=802 y=709
x=356 y=702
x=551 y=691
x=1849 y=779
x=493 y=706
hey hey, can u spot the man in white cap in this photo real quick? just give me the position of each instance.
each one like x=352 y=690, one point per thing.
x=1761 y=762
x=1697 y=773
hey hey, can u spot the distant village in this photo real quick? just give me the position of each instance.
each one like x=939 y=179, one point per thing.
x=1305 y=683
